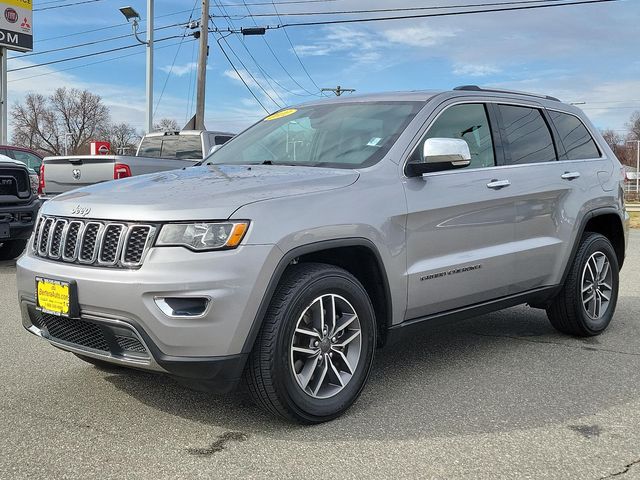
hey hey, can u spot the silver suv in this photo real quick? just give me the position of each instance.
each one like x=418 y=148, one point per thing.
x=326 y=230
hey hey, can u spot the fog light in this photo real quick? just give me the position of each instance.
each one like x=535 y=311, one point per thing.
x=183 y=307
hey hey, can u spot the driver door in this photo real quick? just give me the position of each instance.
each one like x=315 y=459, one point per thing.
x=460 y=225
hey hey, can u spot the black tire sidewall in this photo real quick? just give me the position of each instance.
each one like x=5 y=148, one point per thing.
x=597 y=243
x=305 y=406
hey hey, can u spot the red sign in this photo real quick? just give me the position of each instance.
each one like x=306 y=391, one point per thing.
x=100 y=148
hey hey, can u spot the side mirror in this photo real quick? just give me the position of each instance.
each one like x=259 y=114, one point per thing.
x=441 y=154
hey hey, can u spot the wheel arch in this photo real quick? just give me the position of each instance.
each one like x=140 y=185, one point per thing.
x=608 y=222
x=359 y=256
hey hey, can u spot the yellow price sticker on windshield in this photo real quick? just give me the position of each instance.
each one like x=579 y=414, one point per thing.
x=282 y=113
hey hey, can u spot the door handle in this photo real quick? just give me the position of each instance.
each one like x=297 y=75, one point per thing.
x=570 y=175
x=498 y=184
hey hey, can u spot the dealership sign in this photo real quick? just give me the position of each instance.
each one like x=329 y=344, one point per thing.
x=16 y=25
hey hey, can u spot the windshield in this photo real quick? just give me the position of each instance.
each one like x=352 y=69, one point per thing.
x=176 y=147
x=349 y=135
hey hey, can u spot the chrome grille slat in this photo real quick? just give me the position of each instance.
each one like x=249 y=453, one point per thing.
x=93 y=242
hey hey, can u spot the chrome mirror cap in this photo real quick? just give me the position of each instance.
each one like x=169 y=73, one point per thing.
x=452 y=150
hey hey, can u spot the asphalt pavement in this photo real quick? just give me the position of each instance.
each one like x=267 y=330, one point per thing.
x=497 y=396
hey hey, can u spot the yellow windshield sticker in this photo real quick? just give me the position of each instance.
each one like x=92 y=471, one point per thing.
x=282 y=113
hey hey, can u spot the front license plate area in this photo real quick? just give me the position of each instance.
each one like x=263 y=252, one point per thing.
x=56 y=297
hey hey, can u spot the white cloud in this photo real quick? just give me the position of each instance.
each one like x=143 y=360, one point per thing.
x=418 y=36
x=180 y=70
x=474 y=70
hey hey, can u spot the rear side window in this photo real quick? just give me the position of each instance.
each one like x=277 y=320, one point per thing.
x=221 y=139
x=468 y=122
x=527 y=134
x=578 y=142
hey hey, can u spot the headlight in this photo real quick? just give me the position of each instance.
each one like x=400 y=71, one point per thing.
x=202 y=236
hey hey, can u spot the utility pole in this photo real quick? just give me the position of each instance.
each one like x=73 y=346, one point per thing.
x=202 y=65
x=339 y=90
x=150 y=27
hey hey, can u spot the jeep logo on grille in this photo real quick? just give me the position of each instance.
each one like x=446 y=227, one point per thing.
x=76 y=173
x=81 y=211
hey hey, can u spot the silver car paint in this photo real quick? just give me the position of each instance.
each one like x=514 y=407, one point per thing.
x=520 y=236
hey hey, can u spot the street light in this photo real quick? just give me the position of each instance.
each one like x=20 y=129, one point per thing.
x=134 y=17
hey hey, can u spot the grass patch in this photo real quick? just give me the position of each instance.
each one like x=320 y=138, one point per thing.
x=635 y=219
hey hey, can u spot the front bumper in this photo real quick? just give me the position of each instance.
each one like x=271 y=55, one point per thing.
x=205 y=349
x=21 y=219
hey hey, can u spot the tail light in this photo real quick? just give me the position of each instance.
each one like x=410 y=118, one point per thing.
x=121 y=170
x=41 y=180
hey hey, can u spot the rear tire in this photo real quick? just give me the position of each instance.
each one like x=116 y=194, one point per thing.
x=12 y=249
x=585 y=305
x=314 y=351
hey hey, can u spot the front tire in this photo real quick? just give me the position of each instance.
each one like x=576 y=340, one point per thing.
x=12 y=249
x=314 y=351
x=585 y=305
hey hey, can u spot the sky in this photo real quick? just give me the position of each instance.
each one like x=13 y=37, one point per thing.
x=584 y=53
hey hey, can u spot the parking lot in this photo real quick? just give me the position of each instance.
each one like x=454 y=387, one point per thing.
x=498 y=396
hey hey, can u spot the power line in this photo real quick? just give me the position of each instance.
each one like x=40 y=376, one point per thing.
x=397 y=9
x=94 y=42
x=293 y=49
x=430 y=15
x=240 y=76
x=65 y=5
x=175 y=57
x=248 y=71
x=87 y=64
x=92 y=54
x=276 y=57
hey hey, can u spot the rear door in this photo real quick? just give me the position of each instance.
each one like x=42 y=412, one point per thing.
x=548 y=189
x=460 y=223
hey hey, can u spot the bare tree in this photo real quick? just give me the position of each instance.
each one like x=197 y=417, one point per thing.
x=634 y=126
x=166 y=125
x=124 y=138
x=617 y=143
x=43 y=124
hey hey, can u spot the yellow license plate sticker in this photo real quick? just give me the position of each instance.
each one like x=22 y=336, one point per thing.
x=53 y=296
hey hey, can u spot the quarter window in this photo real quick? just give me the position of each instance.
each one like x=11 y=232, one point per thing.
x=527 y=135
x=468 y=122
x=576 y=139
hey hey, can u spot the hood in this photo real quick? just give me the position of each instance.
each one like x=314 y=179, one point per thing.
x=210 y=192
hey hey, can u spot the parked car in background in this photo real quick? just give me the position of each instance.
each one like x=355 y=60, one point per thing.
x=19 y=206
x=158 y=151
x=30 y=158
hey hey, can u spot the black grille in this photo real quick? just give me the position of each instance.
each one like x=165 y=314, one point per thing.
x=110 y=242
x=74 y=331
x=83 y=333
x=8 y=186
x=93 y=242
x=89 y=242
x=71 y=240
x=44 y=239
x=130 y=344
x=56 y=238
x=14 y=181
x=136 y=244
x=35 y=236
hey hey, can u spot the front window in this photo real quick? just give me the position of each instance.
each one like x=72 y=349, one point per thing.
x=349 y=135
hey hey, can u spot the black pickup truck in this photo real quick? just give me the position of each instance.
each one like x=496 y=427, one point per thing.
x=19 y=204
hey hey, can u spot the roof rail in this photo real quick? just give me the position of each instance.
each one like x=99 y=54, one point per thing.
x=476 y=88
